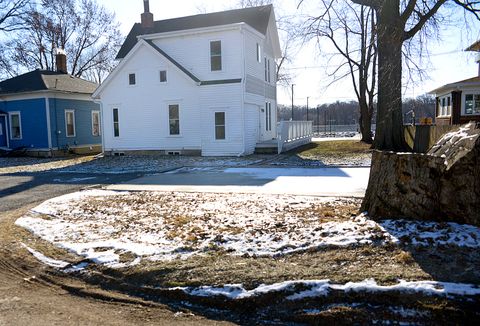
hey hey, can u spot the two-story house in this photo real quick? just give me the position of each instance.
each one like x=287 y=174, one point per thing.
x=203 y=84
x=459 y=102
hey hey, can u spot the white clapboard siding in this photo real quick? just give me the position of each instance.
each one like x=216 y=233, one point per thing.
x=252 y=112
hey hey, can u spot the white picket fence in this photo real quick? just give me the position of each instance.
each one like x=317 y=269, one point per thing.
x=292 y=134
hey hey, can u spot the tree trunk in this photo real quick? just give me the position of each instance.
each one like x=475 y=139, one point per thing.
x=365 y=122
x=390 y=135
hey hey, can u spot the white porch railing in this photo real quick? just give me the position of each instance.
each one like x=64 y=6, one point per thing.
x=291 y=134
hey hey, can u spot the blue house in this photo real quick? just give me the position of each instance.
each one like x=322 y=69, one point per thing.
x=49 y=113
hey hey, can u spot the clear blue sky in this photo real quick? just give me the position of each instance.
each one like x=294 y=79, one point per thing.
x=448 y=61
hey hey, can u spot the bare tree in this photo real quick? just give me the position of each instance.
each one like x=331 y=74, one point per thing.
x=85 y=30
x=351 y=29
x=397 y=22
x=11 y=12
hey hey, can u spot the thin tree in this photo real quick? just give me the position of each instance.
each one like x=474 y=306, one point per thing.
x=86 y=31
x=397 y=22
x=11 y=12
x=351 y=29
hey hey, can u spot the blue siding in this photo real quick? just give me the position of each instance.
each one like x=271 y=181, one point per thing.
x=33 y=122
x=83 y=123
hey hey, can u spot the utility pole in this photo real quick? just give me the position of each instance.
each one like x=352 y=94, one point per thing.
x=307 y=106
x=318 y=119
x=292 y=100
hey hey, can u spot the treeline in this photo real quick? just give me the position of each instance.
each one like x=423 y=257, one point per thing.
x=347 y=113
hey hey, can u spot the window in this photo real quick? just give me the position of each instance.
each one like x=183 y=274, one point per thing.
x=259 y=53
x=174 y=119
x=15 y=125
x=445 y=106
x=472 y=104
x=219 y=125
x=132 y=79
x=268 y=116
x=216 y=55
x=163 y=76
x=1 y=129
x=265 y=63
x=95 y=123
x=116 y=126
x=268 y=66
x=70 y=123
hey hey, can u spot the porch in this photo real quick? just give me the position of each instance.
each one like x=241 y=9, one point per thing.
x=290 y=135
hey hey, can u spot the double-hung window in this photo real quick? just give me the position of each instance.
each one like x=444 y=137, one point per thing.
x=174 y=119
x=268 y=116
x=70 y=123
x=265 y=68
x=15 y=125
x=95 y=123
x=132 y=79
x=219 y=125
x=472 y=103
x=116 y=125
x=269 y=73
x=216 y=55
x=259 y=53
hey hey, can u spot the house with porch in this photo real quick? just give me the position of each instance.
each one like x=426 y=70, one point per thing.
x=459 y=102
x=46 y=113
x=196 y=85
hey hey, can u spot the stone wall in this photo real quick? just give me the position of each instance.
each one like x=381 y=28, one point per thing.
x=442 y=185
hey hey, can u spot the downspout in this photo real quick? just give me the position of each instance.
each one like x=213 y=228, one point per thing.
x=243 y=92
x=102 y=126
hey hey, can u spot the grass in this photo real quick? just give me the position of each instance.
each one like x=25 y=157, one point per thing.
x=337 y=148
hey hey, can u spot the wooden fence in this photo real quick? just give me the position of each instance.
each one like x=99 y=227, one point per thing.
x=422 y=137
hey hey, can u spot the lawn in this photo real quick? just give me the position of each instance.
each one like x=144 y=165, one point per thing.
x=315 y=258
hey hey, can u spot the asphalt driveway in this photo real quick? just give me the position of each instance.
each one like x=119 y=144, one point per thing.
x=341 y=182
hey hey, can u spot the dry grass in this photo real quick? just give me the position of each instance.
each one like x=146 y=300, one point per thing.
x=337 y=148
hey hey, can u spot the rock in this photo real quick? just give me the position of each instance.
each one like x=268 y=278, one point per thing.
x=442 y=185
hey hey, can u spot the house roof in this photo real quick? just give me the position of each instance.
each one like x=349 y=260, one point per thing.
x=474 y=47
x=44 y=80
x=256 y=17
x=474 y=81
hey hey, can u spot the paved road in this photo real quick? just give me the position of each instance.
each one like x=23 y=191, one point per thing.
x=21 y=189
x=347 y=182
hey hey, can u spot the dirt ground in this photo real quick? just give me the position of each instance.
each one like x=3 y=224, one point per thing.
x=30 y=294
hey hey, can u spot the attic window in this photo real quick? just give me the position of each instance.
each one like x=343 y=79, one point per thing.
x=131 y=79
x=163 y=76
x=259 y=53
x=216 y=55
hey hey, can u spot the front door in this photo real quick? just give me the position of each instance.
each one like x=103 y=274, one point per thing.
x=3 y=131
x=262 y=126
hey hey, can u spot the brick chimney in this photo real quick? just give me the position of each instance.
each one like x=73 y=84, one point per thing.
x=61 y=60
x=147 y=16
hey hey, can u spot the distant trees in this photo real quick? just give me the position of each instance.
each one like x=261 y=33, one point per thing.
x=86 y=31
x=11 y=12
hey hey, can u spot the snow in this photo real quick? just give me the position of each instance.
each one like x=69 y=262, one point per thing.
x=322 y=288
x=103 y=225
x=46 y=260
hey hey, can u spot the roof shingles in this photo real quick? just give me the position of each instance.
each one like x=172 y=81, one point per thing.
x=256 y=17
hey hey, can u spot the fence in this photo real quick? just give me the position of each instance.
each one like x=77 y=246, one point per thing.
x=421 y=138
x=337 y=130
x=291 y=134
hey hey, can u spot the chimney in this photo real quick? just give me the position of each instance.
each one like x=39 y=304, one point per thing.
x=147 y=16
x=61 y=60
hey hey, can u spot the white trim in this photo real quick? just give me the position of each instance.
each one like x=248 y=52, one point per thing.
x=34 y=95
x=202 y=30
x=463 y=106
x=210 y=41
x=179 y=104
x=19 y=122
x=115 y=107
x=6 y=129
x=67 y=111
x=99 y=123
x=49 y=127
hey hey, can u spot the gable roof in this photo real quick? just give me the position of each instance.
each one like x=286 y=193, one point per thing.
x=256 y=17
x=44 y=80
x=474 y=81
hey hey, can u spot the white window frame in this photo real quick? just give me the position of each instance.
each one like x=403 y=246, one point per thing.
x=216 y=55
x=117 y=122
x=99 y=124
x=74 y=124
x=464 y=103
x=269 y=72
x=444 y=109
x=160 y=78
x=169 y=119
x=224 y=126
x=265 y=68
x=10 y=114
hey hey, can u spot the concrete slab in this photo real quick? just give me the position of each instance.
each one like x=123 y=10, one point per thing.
x=341 y=182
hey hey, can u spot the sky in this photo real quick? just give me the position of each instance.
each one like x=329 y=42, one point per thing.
x=448 y=62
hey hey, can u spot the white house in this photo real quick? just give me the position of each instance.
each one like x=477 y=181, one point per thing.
x=202 y=84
